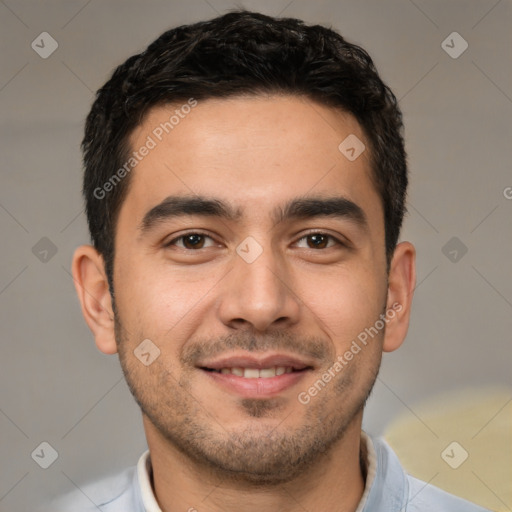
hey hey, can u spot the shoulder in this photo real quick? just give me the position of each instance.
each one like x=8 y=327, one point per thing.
x=425 y=497
x=393 y=489
x=117 y=493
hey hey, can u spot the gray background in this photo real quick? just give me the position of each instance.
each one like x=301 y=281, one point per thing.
x=55 y=386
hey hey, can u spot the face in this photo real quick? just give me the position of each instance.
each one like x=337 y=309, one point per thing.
x=248 y=295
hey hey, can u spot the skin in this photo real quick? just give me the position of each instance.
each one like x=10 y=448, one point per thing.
x=211 y=448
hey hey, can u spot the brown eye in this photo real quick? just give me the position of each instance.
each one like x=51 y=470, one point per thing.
x=193 y=241
x=190 y=241
x=320 y=241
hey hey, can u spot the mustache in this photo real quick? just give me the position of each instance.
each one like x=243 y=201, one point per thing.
x=315 y=348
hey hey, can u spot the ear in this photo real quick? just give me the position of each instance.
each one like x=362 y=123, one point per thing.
x=401 y=284
x=91 y=285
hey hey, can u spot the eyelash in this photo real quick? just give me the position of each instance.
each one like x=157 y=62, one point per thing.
x=201 y=233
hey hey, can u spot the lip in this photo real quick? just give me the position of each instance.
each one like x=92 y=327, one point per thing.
x=258 y=387
x=252 y=361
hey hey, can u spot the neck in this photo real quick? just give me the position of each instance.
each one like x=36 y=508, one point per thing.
x=335 y=482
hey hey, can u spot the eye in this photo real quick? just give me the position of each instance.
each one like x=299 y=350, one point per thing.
x=190 y=241
x=197 y=240
x=320 y=240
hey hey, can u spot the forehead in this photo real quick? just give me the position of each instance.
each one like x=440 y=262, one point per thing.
x=251 y=152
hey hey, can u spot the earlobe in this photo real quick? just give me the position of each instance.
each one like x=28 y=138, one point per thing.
x=401 y=284
x=91 y=285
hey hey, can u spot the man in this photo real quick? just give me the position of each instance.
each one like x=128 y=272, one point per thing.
x=245 y=181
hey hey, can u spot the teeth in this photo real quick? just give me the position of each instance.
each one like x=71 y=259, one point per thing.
x=267 y=372
x=255 y=373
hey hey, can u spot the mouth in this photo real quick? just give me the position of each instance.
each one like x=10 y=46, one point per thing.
x=252 y=377
x=254 y=373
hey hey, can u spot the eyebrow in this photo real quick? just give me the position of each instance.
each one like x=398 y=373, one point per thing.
x=296 y=209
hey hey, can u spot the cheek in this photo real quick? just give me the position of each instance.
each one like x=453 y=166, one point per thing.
x=161 y=301
x=346 y=302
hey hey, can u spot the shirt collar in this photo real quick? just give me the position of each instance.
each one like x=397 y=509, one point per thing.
x=145 y=473
x=370 y=468
x=145 y=476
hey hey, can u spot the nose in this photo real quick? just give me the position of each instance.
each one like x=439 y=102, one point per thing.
x=259 y=295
